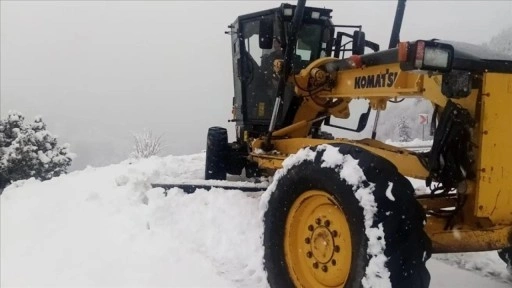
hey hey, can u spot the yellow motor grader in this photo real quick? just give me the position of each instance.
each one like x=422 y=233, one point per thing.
x=341 y=212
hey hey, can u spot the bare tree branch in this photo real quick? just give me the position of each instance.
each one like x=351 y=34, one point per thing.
x=146 y=144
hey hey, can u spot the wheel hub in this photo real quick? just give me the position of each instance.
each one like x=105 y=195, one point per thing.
x=316 y=228
x=322 y=244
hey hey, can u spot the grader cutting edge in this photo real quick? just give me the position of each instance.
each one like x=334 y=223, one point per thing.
x=341 y=212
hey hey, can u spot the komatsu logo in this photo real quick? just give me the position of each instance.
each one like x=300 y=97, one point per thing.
x=376 y=80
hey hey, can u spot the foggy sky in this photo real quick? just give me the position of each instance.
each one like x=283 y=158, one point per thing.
x=97 y=71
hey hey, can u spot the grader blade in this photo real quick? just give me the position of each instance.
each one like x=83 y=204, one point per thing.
x=191 y=188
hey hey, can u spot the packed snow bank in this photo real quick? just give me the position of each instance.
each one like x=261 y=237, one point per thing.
x=444 y=275
x=487 y=264
x=413 y=144
x=106 y=227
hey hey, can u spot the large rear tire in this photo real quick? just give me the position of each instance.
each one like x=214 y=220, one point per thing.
x=216 y=154
x=330 y=225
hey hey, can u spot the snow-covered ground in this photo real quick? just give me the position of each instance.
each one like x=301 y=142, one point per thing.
x=415 y=143
x=107 y=227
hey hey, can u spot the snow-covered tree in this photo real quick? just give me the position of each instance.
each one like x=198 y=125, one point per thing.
x=29 y=150
x=10 y=128
x=146 y=144
x=501 y=42
x=404 y=130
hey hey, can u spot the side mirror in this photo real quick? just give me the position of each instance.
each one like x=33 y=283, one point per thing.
x=358 y=43
x=266 y=33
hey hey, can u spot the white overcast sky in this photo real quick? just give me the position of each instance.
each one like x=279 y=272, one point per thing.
x=98 y=70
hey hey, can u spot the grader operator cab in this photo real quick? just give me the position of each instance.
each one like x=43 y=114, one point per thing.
x=258 y=40
x=341 y=212
x=262 y=50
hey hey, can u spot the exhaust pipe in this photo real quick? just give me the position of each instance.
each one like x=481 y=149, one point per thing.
x=397 y=24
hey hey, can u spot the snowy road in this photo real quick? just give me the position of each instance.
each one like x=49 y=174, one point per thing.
x=107 y=227
x=446 y=276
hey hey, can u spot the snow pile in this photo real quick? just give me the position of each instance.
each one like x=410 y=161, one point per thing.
x=487 y=264
x=445 y=275
x=388 y=192
x=415 y=143
x=106 y=227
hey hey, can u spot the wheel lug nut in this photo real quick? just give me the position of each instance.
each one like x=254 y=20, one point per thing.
x=311 y=228
x=318 y=221
x=324 y=268
x=315 y=265
x=309 y=254
x=333 y=262
x=327 y=223
x=307 y=240
x=337 y=249
x=334 y=233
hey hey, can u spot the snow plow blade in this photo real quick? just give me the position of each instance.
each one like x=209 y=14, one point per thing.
x=191 y=188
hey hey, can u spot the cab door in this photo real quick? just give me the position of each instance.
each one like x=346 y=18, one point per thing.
x=258 y=87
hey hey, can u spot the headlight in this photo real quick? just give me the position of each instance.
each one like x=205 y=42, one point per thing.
x=426 y=56
x=436 y=57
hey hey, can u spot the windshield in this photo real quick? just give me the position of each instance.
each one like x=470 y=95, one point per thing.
x=309 y=42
